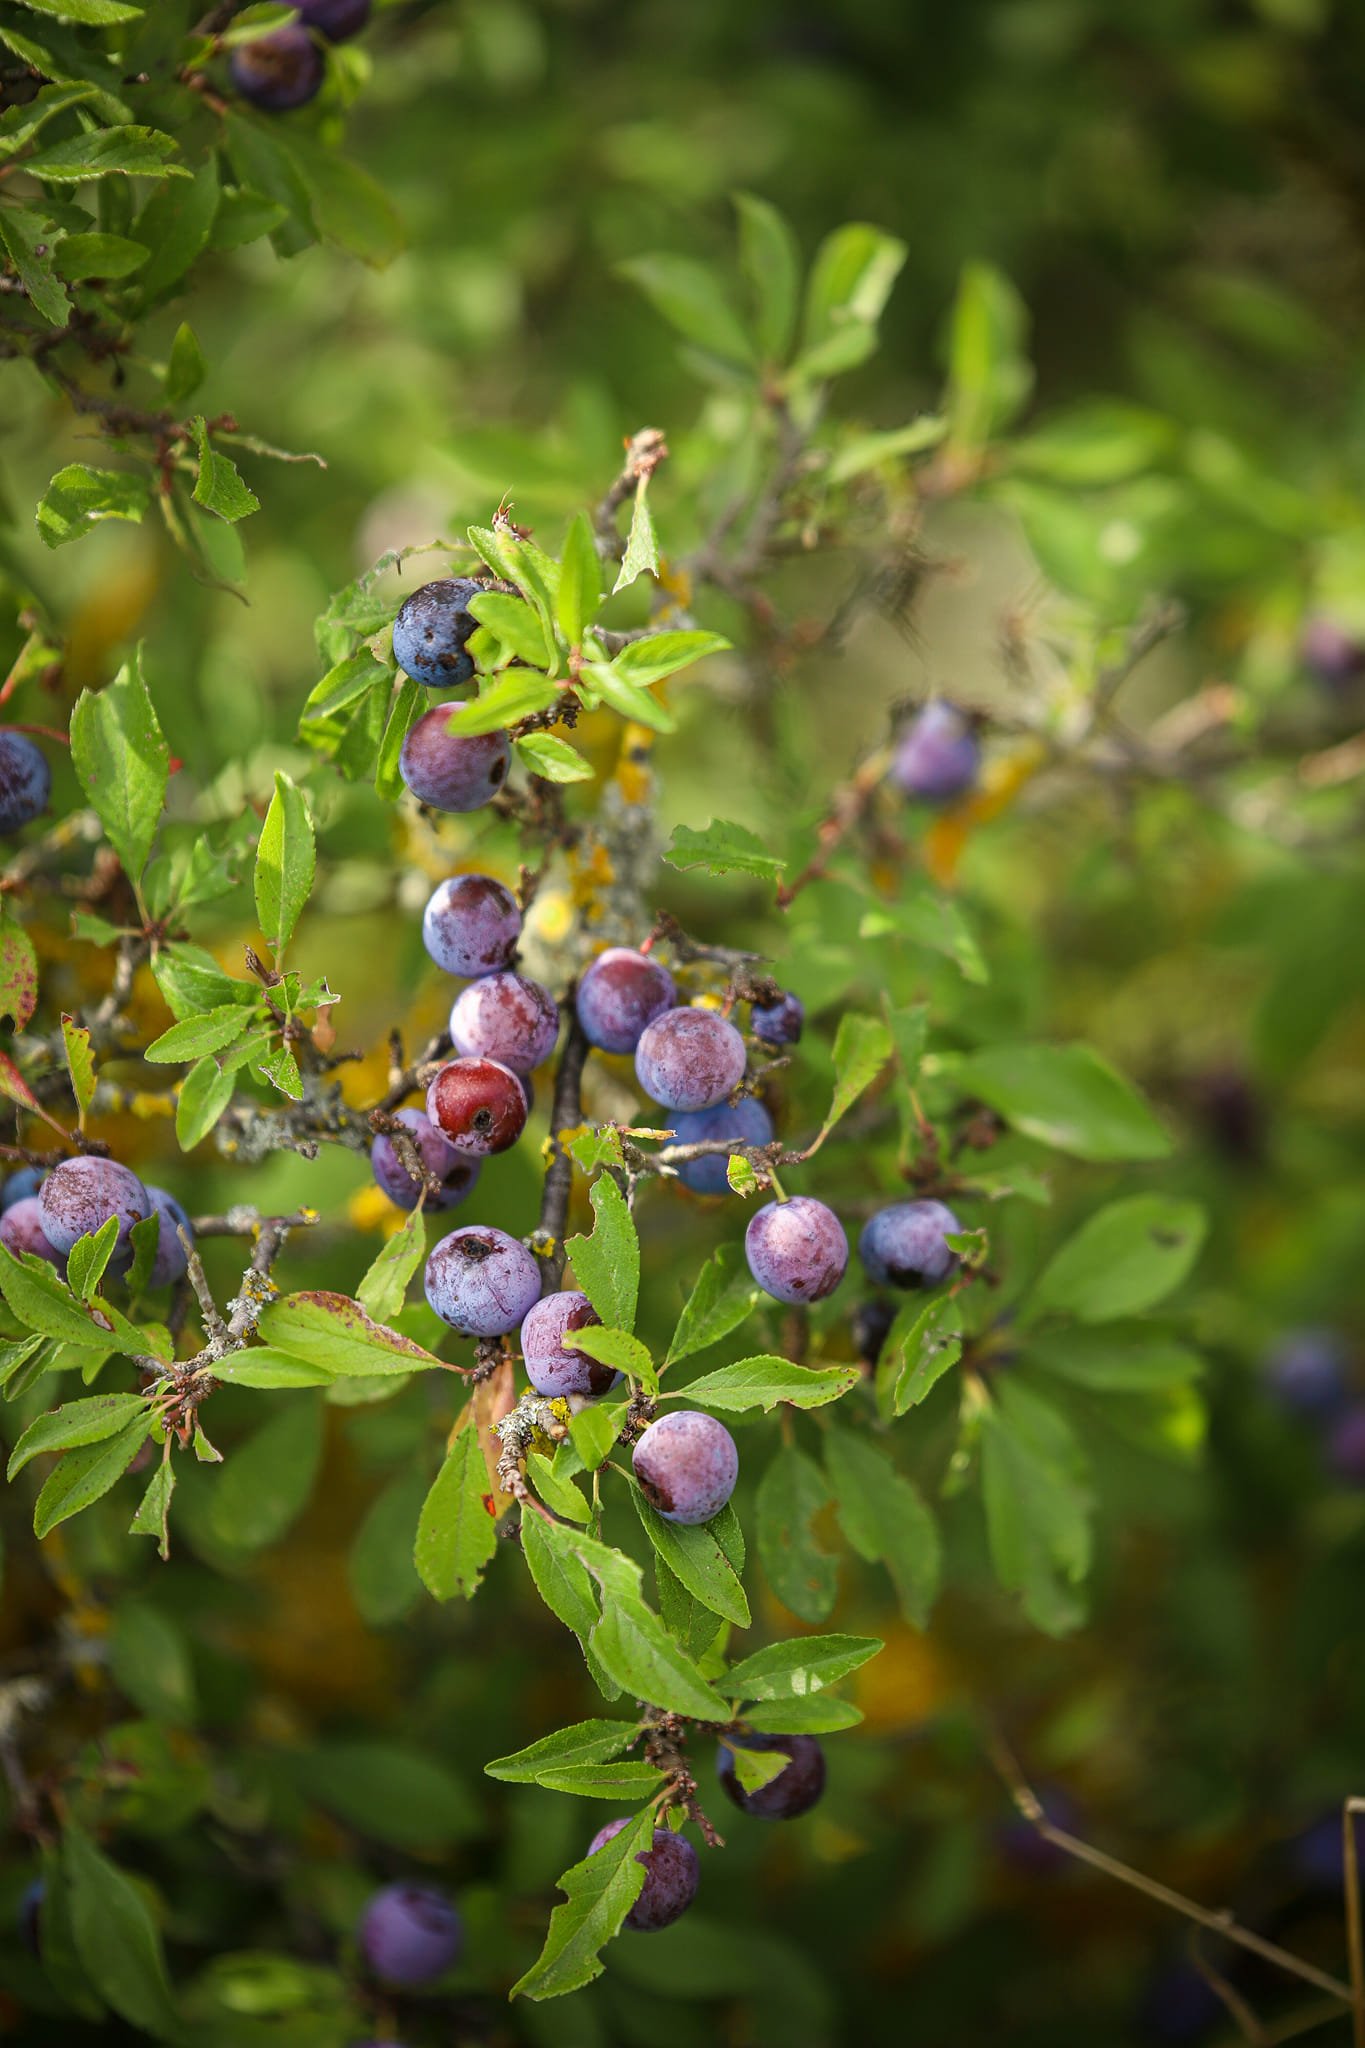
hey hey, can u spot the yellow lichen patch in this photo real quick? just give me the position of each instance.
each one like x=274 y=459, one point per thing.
x=551 y=915
x=591 y=877
x=1002 y=779
x=370 y=1209
x=634 y=773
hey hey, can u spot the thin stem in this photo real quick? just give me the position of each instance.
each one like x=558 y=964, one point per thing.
x=566 y=1112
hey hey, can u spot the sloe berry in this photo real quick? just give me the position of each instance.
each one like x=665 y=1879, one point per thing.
x=505 y=1017
x=779 y=1023
x=689 y=1059
x=21 y=1230
x=481 y=1281
x=410 y=1934
x=792 y=1792
x=448 y=771
x=938 y=756
x=431 y=629
x=619 y=993
x=903 y=1244
x=471 y=925
x=81 y=1194
x=478 y=1105
x=686 y=1464
x=279 y=71
x=25 y=780
x=797 y=1250
x=748 y=1123
x=549 y=1367
x=338 y=20
x=457 y=1171
x=672 y=1874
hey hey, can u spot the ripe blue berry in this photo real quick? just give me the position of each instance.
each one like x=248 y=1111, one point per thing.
x=1346 y=1447
x=748 y=1123
x=410 y=1934
x=338 y=20
x=505 y=1017
x=549 y=1367
x=279 y=71
x=471 y=925
x=938 y=756
x=25 y=780
x=686 y=1464
x=903 y=1244
x=621 y=992
x=689 y=1059
x=481 y=1281
x=1306 y=1372
x=170 y=1262
x=456 y=1170
x=792 y=1792
x=779 y=1023
x=430 y=632
x=479 y=1105
x=81 y=1194
x=26 y=1181
x=21 y=1230
x=449 y=772
x=797 y=1250
x=672 y=1874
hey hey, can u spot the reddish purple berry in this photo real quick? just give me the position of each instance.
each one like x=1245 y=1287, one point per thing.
x=792 y=1792
x=449 y=772
x=25 y=780
x=779 y=1023
x=457 y=1171
x=481 y=1281
x=938 y=756
x=280 y=71
x=549 y=1367
x=672 y=1874
x=904 y=1245
x=338 y=20
x=689 y=1059
x=686 y=1464
x=410 y=1934
x=619 y=994
x=81 y=1194
x=21 y=1230
x=797 y=1250
x=505 y=1017
x=478 y=1105
x=747 y=1123
x=471 y=925
x=430 y=632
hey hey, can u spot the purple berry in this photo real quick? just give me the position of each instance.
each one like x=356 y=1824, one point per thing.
x=903 y=1244
x=672 y=1874
x=619 y=994
x=26 y=1181
x=338 y=20
x=410 y=1934
x=689 y=1059
x=797 y=1250
x=471 y=925
x=1346 y=1447
x=481 y=1281
x=686 y=1464
x=430 y=632
x=1306 y=1372
x=25 y=780
x=505 y=1017
x=938 y=756
x=279 y=71
x=81 y=1194
x=779 y=1023
x=549 y=1367
x=170 y=1262
x=1330 y=653
x=792 y=1792
x=456 y=1170
x=871 y=1326
x=479 y=1106
x=748 y=1123
x=21 y=1230
x=449 y=772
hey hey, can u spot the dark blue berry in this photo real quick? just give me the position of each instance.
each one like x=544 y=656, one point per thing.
x=25 y=781
x=279 y=71
x=431 y=629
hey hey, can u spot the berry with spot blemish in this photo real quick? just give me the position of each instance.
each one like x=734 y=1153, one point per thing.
x=338 y=20
x=686 y=1464
x=410 y=1934
x=689 y=1059
x=747 y=1123
x=797 y=1250
x=80 y=1195
x=505 y=1017
x=279 y=71
x=619 y=993
x=431 y=629
x=551 y=1369
x=779 y=1023
x=25 y=781
x=478 y=1105
x=672 y=1874
x=457 y=1171
x=471 y=925
x=792 y=1792
x=481 y=1281
x=904 y=1244
x=21 y=1230
x=448 y=771
x=938 y=756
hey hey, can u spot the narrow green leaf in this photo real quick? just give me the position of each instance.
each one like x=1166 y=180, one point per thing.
x=1065 y=1096
x=153 y=1515
x=819 y=1714
x=121 y=759
x=559 y=1494
x=24 y=233
x=607 y=1264
x=408 y=704
x=219 y=487
x=18 y=972
x=793 y=1670
x=76 y=1422
x=130 y=152
x=618 y=1348
x=204 y=1094
x=520 y=693
x=599 y=1892
x=554 y=759
x=186 y=368
x=641 y=557
x=384 y=1288
x=79 y=497
x=791 y=1493
x=692 y=300
x=587 y=1742
x=1123 y=1259
x=721 y=848
x=80 y=1064
x=884 y=1518
x=116 y=1938
x=579 y=597
x=697 y=1561
x=285 y=862
x=626 y=697
x=771 y=261
x=89 y=1257
x=1038 y=1506
x=212 y=1031
x=862 y=1046
x=334 y=1332
x=663 y=654
x=763 y=1382
x=594 y=1430
x=725 y=1294
x=86 y=1473
x=457 y=1530
x=623 y=1782
x=515 y=623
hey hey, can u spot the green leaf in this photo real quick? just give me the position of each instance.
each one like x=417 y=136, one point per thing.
x=817 y=1715
x=884 y=1518
x=261 y=1367
x=43 y=1302
x=457 y=1531
x=384 y=1288
x=553 y=758
x=755 y=1768
x=334 y=1332
x=1038 y=1506
x=121 y=759
x=579 y=597
x=1117 y=1360
x=599 y=1892
x=641 y=557
x=192 y=981
x=607 y=1264
x=132 y=152
x=391 y=1794
x=204 y=1094
x=286 y=859
x=721 y=848
x=219 y=487
x=16 y=1352
x=78 y=498
x=771 y=262
x=408 y=704
x=725 y=1294
x=116 y=1938
x=793 y=1670
x=186 y=368
x=663 y=654
x=175 y=225
x=559 y=1494
x=791 y=1493
x=862 y=1047
x=587 y=1742
x=83 y=1475
x=267 y=1482
x=521 y=693
x=1123 y=1259
x=763 y=1382
x=560 y=1579
x=690 y=298
x=854 y=457
x=515 y=623
x=212 y=1031
x=18 y=972
x=623 y=1782
x=697 y=1560
x=350 y=206
x=153 y=1515
x=89 y=1257
x=1065 y=1096
x=627 y=1638
x=1095 y=442
x=77 y=1422
x=922 y=1344
x=80 y=1063
x=92 y=13
x=594 y=1430
x=618 y=1348
x=150 y=1663
x=23 y=234
x=850 y=280
x=989 y=374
